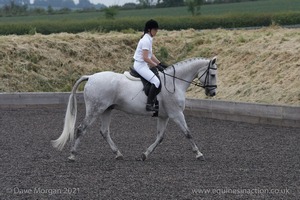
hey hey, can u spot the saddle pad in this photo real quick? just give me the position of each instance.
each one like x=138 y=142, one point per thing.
x=128 y=75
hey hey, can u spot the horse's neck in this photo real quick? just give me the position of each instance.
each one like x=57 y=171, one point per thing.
x=187 y=71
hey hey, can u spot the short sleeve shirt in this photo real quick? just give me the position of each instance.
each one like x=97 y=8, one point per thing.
x=145 y=43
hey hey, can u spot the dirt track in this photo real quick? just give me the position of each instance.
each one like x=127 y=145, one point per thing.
x=243 y=161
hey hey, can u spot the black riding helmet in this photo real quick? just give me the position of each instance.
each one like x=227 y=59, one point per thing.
x=151 y=24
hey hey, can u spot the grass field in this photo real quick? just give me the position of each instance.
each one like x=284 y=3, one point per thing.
x=234 y=15
x=267 y=6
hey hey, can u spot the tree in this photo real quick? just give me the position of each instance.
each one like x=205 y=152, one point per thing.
x=68 y=4
x=143 y=3
x=111 y=12
x=41 y=3
x=14 y=9
x=129 y=6
x=170 y=3
x=22 y=2
x=84 y=4
x=146 y=3
x=17 y=2
x=194 y=6
x=50 y=10
x=39 y=11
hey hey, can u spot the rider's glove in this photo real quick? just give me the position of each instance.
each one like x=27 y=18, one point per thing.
x=163 y=65
x=160 y=67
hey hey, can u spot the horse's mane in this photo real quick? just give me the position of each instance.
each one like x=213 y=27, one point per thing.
x=184 y=62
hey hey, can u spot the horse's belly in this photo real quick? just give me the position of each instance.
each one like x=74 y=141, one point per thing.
x=115 y=89
x=130 y=94
x=131 y=97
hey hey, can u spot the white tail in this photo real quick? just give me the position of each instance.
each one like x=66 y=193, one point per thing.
x=70 y=118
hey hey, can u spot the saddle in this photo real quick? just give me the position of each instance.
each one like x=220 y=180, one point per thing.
x=134 y=76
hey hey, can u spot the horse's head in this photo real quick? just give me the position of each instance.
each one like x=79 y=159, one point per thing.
x=208 y=78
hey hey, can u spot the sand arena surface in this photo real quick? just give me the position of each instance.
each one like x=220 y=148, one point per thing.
x=254 y=65
x=243 y=161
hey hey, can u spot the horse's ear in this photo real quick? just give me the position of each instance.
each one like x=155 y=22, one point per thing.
x=213 y=61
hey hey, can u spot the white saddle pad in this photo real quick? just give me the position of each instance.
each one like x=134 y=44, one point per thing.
x=132 y=78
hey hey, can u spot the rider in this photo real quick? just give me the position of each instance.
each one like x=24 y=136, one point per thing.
x=144 y=59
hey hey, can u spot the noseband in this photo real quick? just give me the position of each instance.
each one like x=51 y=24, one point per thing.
x=206 y=81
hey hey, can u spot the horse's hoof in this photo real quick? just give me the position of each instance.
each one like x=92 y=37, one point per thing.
x=71 y=158
x=201 y=158
x=138 y=159
x=119 y=157
x=144 y=157
x=141 y=158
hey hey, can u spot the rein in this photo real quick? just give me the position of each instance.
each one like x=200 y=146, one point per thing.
x=210 y=87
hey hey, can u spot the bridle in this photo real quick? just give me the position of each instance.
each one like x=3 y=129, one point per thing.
x=206 y=80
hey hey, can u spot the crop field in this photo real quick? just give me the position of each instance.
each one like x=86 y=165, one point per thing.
x=246 y=14
x=267 y=6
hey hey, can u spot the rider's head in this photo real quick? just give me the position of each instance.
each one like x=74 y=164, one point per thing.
x=151 y=27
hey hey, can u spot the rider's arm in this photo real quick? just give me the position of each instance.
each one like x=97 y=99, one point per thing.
x=150 y=62
x=154 y=59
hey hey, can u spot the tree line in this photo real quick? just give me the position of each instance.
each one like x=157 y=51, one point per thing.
x=53 y=3
x=38 y=7
x=24 y=7
x=177 y=3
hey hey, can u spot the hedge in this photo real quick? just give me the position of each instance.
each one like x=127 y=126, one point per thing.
x=167 y=23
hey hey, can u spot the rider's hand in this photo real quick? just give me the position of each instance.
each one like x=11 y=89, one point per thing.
x=160 y=67
x=163 y=65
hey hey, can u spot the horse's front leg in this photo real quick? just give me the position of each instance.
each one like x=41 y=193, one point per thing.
x=161 y=128
x=180 y=120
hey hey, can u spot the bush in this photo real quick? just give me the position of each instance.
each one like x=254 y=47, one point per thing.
x=110 y=12
x=288 y=18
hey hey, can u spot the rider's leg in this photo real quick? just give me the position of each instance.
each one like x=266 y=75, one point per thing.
x=143 y=69
x=151 y=98
x=146 y=73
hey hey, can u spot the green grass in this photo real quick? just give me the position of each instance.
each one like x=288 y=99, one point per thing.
x=136 y=24
x=246 y=14
x=267 y=6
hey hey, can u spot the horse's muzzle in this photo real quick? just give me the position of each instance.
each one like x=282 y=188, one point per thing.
x=210 y=93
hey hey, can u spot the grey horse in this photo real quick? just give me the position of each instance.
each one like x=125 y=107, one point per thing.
x=106 y=91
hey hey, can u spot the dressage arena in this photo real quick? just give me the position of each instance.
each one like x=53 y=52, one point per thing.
x=243 y=161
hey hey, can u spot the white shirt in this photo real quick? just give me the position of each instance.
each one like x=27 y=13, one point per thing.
x=145 y=43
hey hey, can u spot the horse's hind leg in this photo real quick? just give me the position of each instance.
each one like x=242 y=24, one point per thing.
x=80 y=131
x=180 y=120
x=105 y=122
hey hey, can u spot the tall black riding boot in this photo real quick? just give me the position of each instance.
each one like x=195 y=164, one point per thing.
x=151 y=98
